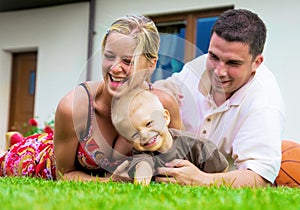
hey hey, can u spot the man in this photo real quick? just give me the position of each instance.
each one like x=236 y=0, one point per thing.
x=232 y=99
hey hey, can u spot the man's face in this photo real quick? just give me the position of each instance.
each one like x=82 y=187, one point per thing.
x=230 y=65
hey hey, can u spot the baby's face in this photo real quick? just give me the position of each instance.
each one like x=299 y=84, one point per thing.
x=146 y=126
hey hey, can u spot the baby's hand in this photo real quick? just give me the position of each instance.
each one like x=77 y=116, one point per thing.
x=121 y=173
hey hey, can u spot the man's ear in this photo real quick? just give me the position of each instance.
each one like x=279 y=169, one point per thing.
x=256 y=63
x=167 y=117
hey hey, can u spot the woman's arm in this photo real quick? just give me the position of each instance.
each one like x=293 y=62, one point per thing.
x=66 y=142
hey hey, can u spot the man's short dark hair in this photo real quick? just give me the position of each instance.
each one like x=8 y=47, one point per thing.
x=243 y=26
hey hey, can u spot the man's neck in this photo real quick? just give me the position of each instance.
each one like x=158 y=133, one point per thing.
x=220 y=98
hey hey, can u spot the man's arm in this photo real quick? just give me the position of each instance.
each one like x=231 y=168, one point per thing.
x=185 y=173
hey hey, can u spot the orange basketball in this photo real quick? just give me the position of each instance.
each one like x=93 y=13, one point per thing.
x=289 y=174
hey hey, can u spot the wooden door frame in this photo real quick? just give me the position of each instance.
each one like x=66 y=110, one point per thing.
x=14 y=87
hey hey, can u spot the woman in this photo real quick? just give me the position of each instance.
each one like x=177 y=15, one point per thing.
x=130 y=52
x=85 y=141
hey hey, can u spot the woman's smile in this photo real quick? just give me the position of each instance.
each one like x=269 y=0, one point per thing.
x=117 y=81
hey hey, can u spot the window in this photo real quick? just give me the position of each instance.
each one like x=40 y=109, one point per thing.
x=184 y=36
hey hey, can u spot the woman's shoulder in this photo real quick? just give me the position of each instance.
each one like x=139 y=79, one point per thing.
x=77 y=96
x=171 y=104
x=66 y=103
x=73 y=108
x=165 y=98
x=93 y=85
x=79 y=93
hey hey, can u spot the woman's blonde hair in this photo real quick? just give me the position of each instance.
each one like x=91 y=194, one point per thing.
x=140 y=28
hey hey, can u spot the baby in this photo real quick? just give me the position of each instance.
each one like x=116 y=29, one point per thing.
x=141 y=119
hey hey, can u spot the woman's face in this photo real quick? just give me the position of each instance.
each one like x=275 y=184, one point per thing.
x=117 y=64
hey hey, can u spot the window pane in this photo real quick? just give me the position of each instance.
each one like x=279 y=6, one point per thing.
x=172 y=46
x=171 y=52
x=204 y=26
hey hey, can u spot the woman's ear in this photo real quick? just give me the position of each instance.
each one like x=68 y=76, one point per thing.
x=152 y=64
x=167 y=117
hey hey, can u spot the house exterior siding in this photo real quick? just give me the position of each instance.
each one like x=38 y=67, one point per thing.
x=60 y=36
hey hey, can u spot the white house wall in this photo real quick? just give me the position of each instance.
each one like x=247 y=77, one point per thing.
x=60 y=35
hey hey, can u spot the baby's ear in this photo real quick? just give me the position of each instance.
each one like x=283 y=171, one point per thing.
x=167 y=117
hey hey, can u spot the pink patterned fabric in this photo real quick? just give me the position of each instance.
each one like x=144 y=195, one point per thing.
x=33 y=157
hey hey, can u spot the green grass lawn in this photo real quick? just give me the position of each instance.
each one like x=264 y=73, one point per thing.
x=29 y=193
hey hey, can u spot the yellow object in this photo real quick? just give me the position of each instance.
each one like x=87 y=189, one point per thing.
x=8 y=136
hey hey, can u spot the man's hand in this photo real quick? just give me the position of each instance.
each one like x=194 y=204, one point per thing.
x=182 y=172
x=185 y=173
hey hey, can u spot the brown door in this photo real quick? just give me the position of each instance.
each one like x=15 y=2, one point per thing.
x=22 y=90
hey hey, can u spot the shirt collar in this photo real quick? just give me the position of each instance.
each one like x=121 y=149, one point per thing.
x=236 y=99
